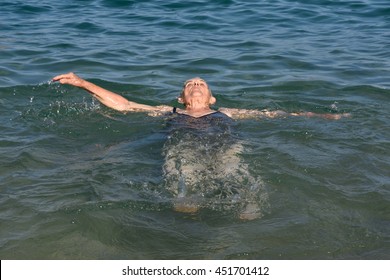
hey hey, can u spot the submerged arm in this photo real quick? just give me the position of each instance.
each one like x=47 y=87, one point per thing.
x=106 y=97
x=251 y=114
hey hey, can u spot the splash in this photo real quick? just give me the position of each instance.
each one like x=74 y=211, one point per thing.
x=334 y=107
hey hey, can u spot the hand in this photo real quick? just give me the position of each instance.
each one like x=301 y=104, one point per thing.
x=69 y=79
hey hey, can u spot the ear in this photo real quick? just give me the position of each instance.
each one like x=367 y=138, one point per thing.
x=212 y=100
x=180 y=100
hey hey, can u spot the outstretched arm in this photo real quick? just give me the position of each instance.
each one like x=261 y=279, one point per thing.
x=106 y=97
x=250 y=114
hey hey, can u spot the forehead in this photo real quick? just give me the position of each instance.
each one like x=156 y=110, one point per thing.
x=197 y=79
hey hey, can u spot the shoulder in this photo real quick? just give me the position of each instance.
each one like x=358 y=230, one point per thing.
x=227 y=111
x=236 y=113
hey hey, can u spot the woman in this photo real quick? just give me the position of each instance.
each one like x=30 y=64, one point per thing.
x=196 y=98
x=202 y=165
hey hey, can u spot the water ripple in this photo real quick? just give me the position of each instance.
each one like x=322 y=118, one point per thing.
x=75 y=174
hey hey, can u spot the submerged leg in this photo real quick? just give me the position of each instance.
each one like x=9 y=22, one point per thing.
x=249 y=189
x=217 y=179
x=182 y=203
x=250 y=212
x=182 y=171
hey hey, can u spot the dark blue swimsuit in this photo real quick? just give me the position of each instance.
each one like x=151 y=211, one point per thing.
x=213 y=131
x=216 y=122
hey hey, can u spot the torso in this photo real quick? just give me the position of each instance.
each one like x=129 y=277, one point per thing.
x=213 y=120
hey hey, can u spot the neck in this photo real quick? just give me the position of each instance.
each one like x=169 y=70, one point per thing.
x=197 y=111
x=197 y=106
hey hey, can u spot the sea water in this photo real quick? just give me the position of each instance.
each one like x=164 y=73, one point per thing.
x=81 y=181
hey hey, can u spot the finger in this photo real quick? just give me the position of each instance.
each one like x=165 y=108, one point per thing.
x=64 y=76
x=59 y=77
